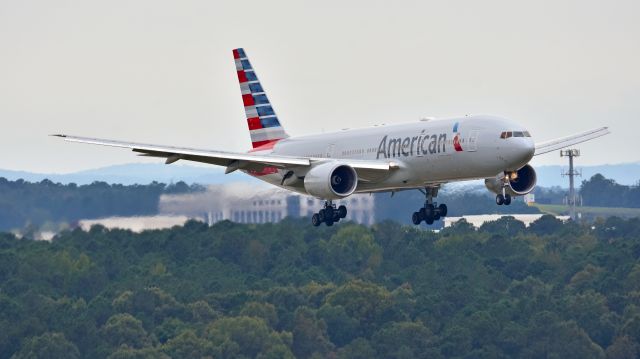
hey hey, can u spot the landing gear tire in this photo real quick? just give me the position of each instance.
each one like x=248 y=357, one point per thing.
x=443 y=210
x=500 y=200
x=315 y=220
x=416 y=218
x=429 y=211
x=507 y=199
x=342 y=211
x=329 y=213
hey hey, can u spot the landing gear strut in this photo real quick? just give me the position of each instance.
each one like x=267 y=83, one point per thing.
x=504 y=197
x=329 y=214
x=431 y=211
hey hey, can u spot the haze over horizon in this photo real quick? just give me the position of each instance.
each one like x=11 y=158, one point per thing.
x=162 y=72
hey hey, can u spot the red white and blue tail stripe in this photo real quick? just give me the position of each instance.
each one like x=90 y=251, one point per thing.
x=264 y=127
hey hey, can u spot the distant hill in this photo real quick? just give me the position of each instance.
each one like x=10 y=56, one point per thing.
x=145 y=173
x=136 y=173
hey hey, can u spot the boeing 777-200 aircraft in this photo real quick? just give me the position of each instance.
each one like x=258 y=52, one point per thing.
x=420 y=155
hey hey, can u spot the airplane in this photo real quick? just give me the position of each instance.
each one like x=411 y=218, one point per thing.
x=421 y=155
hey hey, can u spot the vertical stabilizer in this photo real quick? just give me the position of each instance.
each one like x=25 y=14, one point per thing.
x=264 y=127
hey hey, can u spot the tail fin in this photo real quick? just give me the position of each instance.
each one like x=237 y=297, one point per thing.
x=264 y=127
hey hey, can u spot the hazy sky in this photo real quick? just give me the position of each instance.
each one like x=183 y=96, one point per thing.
x=162 y=71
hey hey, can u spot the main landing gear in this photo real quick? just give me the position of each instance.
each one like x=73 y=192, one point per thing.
x=431 y=211
x=329 y=214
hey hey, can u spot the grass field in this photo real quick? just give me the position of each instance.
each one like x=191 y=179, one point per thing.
x=589 y=211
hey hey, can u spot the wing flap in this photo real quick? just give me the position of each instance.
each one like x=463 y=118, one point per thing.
x=556 y=144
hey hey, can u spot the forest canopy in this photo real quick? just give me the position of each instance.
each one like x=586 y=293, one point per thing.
x=289 y=290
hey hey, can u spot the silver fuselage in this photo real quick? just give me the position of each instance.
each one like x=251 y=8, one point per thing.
x=425 y=152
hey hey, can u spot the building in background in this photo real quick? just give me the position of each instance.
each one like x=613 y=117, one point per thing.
x=247 y=203
x=137 y=224
x=479 y=220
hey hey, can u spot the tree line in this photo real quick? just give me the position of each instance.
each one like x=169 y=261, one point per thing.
x=604 y=192
x=25 y=203
x=288 y=290
x=597 y=191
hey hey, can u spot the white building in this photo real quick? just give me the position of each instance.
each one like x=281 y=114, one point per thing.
x=136 y=224
x=247 y=203
x=479 y=220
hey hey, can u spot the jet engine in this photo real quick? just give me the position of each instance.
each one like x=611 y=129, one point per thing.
x=331 y=180
x=519 y=182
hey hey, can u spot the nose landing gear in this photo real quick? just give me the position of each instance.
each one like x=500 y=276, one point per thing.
x=504 y=197
x=329 y=214
x=431 y=211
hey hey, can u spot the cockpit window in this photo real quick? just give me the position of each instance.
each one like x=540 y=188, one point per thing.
x=507 y=134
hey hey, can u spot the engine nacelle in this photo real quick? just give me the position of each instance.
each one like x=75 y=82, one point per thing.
x=520 y=182
x=331 y=181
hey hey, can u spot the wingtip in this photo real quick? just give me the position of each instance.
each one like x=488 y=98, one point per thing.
x=58 y=135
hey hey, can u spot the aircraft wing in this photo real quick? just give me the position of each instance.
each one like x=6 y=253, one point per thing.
x=231 y=160
x=552 y=145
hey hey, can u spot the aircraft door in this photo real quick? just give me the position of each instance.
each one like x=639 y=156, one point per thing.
x=330 y=149
x=472 y=146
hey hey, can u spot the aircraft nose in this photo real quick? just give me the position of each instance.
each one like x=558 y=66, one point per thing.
x=523 y=151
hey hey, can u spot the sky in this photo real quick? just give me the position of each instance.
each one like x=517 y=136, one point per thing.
x=162 y=72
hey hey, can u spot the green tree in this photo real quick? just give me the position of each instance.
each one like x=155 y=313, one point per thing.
x=405 y=340
x=603 y=192
x=48 y=345
x=309 y=334
x=623 y=348
x=353 y=249
x=248 y=336
x=561 y=340
x=266 y=311
x=507 y=226
x=124 y=329
x=364 y=301
x=546 y=225
x=360 y=348
x=202 y=312
x=126 y=352
x=341 y=328
x=187 y=345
